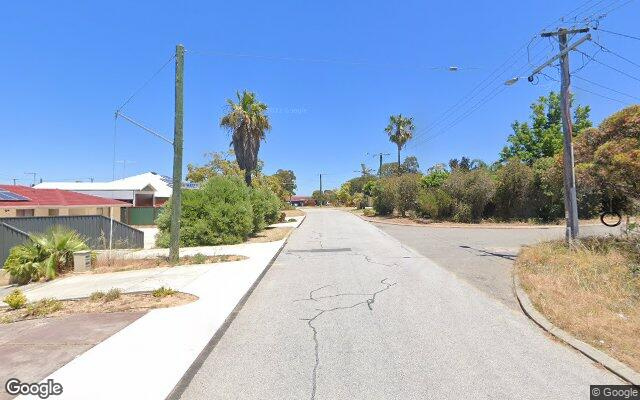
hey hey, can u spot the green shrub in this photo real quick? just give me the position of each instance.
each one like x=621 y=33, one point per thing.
x=22 y=263
x=44 y=255
x=16 y=299
x=199 y=258
x=358 y=200
x=43 y=307
x=514 y=189
x=434 y=203
x=96 y=296
x=406 y=192
x=368 y=212
x=112 y=294
x=265 y=207
x=384 y=197
x=434 y=179
x=462 y=212
x=163 y=292
x=219 y=212
x=471 y=190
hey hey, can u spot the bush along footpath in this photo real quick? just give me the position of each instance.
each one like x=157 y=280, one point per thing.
x=223 y=210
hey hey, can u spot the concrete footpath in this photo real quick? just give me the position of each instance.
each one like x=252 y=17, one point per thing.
x=147 y=358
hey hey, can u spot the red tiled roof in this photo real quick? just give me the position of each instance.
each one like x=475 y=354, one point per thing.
x=55 y=197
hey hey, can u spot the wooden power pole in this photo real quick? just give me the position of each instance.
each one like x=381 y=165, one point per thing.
x=321 y=193
x=570 y=197
x=176 y=197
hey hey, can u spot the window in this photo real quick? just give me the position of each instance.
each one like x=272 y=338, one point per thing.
x=54 y=212
x=24 y=212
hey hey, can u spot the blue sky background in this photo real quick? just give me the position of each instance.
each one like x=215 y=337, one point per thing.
x=67 y=65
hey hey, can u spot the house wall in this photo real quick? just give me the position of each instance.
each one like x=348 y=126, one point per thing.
x=65 y=211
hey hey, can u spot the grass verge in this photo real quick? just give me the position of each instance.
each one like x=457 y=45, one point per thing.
x=591 y=291
x=98 y=302
x=104 y=265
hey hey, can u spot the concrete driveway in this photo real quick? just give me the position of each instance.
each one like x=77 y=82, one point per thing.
x=483 y=257
x=347 y=312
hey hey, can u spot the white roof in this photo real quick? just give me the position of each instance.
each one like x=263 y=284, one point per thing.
x=119 y=185
x=149 y=181
x=158 y=182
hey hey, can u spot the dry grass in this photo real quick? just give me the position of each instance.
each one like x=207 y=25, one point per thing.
x=104 y=265
x=269 y=235
x=293 y=213
x=592 y=291
x=95 y=304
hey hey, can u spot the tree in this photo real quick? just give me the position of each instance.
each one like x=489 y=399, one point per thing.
x=400 y=131
x=466 y=164
x=220 y=163
x=287 y=180
x=608 y=158
x=248 y=124
x=410 y=165
x=543 y=137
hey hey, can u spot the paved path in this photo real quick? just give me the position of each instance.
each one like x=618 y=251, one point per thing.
x=346 y=312
x=483 y=257
x=31 y=350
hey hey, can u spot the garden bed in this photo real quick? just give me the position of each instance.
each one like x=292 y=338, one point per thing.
x=112 y=301
x=104 y=265
x=591 y=291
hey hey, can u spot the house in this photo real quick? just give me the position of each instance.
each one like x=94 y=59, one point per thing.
x=300 y=201
x=144 y=190
x=24 y=201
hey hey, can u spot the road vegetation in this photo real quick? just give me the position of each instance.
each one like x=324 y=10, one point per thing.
x=591 y=290
x=524 y=185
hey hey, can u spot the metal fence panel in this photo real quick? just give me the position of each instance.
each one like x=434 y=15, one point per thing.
x=94 y=228
x=9 y=237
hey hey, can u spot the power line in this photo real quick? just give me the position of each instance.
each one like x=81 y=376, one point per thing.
x=499 y=71
x=606 y=87
x=490 y=96
x=616 y=54
x=146 y=83
x=329 y=61
x=609 y=66
x=616 y=33
x=587 y=90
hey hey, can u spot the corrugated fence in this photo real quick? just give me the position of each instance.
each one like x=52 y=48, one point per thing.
x=94 y=228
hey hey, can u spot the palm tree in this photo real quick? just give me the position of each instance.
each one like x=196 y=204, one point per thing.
x=400 y=130
x=248 y=123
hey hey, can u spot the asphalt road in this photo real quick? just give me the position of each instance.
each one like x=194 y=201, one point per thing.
x=347 y=312
x=483 y=257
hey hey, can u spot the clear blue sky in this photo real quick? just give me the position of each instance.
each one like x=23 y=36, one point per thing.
x=67 y=65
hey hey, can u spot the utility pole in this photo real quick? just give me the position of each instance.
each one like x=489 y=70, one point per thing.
x=380 y=155
x=570 y=197
x=321 y=193
x=15 y=180
x=176 y=198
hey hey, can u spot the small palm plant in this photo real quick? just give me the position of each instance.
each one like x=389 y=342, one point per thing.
x=400 y=131
x=248 y=124
x=44 y=255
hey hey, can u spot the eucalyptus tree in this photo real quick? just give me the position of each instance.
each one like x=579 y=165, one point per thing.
x=248 y=125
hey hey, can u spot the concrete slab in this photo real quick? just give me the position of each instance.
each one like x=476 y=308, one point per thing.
x=31 y=350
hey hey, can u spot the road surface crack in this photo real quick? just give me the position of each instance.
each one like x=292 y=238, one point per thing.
x=368 y=301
